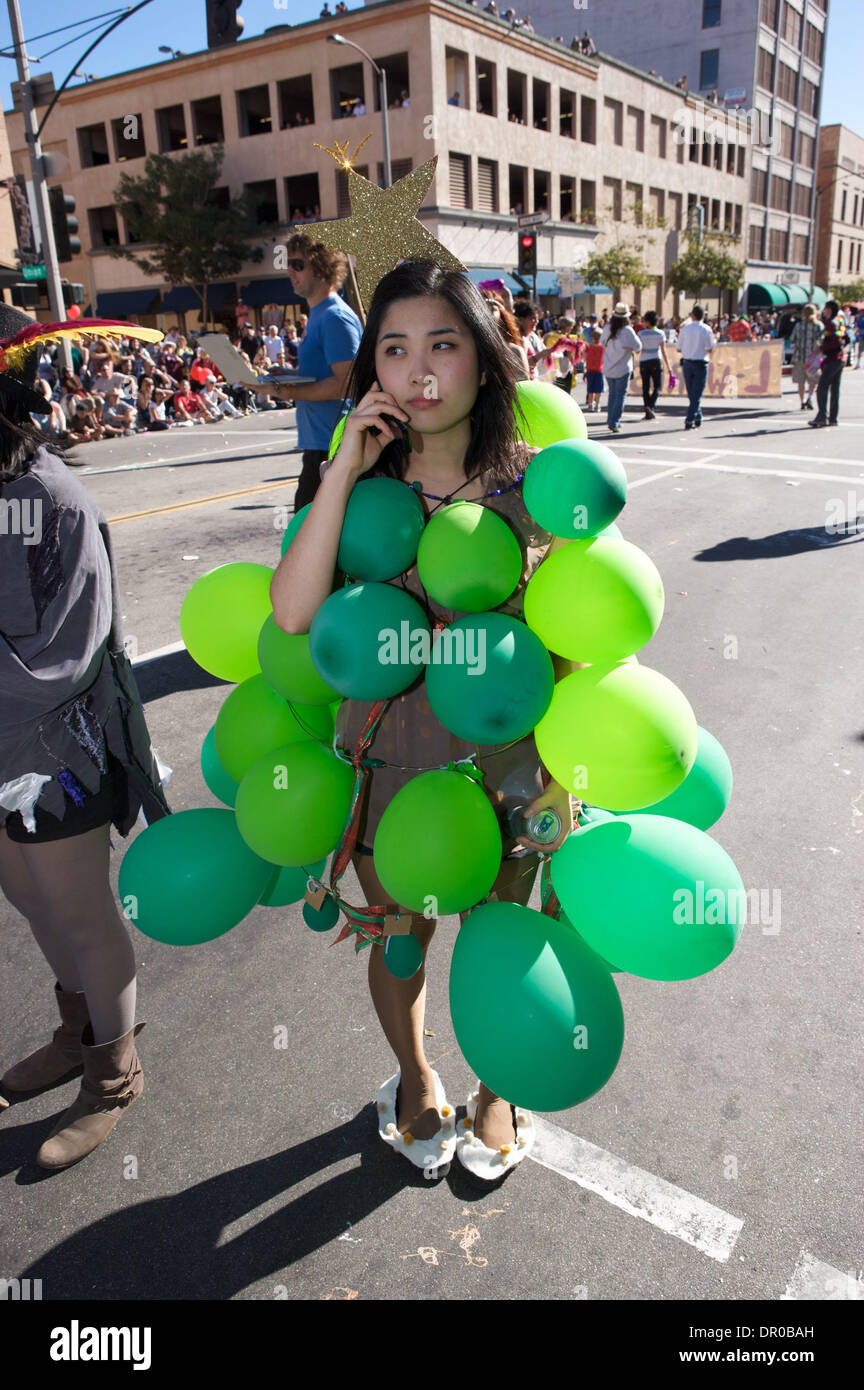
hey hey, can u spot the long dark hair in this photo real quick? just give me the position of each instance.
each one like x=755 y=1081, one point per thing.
x=493 y=445
x=616 y=323
x=20 y=438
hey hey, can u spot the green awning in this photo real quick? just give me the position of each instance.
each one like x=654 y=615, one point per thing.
x=817 y=296
x=766 y=296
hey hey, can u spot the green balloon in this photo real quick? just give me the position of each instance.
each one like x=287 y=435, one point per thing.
x=287 y=665
x=704 y=794
x=490 y=679
x=660 y=898
x=575 y=488
x=594 y=815
x=605 y=963
x=383 y=524
x=336 y=436
x=403 y=955
x=323 y=917
x=597 y=600
x=468 y=558
x=612 y=530
x=294 y=526
x=288 y=885
x=223 y=787
x=535 y=1014
x=624 y=737
x=370 y=641
x=221 y=618
x=438 y=844
x=189 y=877
x=545 y=414
x=334 y=708
x=293 y=804
x=255 y=718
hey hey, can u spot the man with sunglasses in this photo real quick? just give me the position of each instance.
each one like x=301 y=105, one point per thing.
x=326 y=352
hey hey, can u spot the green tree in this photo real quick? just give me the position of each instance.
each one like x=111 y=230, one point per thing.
x=178 y=229
x=706 y=263
x=617 y=267
x=851 y=293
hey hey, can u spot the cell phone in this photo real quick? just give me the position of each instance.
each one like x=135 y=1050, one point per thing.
x=395 y=424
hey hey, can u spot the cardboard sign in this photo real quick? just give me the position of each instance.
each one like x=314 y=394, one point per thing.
x=734 y=369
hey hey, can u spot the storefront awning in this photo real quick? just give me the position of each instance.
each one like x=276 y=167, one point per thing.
x=183 y=298
x=274 y=291
x=765 y=296
x=119 y=304
x=547 y=280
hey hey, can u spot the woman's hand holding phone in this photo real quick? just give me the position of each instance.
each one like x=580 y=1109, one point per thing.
x=371 y=426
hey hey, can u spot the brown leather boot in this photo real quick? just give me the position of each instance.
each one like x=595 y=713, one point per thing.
x=56 y=1059
x=112 y=1081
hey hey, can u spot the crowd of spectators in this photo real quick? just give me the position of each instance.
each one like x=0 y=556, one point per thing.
x=127 y=386
x=523 y=23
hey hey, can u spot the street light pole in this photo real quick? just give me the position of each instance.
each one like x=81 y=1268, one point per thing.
x=382 y=77
x=40 y=190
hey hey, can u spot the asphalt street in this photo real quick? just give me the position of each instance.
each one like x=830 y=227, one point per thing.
x=722 y=1159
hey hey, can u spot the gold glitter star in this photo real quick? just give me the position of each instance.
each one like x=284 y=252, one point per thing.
x=382 y=229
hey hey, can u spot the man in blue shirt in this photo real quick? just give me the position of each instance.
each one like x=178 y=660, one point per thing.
x=326 y=352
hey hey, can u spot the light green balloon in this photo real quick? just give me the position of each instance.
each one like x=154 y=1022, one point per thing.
x=536 y=1015
x=438 y=845
x=287 y=666
x=288 y=885
x=575 y=488
x=255 y=718
x=659 y=897
x=704 y=794
x=545 y=414
x=468 y=558
x=293 y=803
x=621 y=737
x=223 y=787
x=336 y=436
x=221 y=618
x=597 y=600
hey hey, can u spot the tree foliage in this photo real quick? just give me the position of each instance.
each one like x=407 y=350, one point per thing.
x=178 y=229
x=706 y=264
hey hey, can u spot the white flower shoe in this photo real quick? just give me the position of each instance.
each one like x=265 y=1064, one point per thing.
x=428 y=1154
x=491 y=1164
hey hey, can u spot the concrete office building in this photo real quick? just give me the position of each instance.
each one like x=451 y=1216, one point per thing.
x=839 y=206
x=519 y=124
x=753 y=55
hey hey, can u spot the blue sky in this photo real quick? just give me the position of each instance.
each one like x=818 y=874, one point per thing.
x=136 y=42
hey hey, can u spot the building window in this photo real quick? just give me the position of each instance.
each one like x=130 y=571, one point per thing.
x=742 y=158
x=460 y=181
x=635 y=128
x=103 y=227
x=730 y=158
x=540 y=105
x=253 y=111
x=799 y=249
x=777 y=244
x=567 y=113
x=780 y=193
x=207 y=127
x=567 y=198
x=791 y=30
x=93 y=146
x=658 y=137
x=839 y=253
x=709 y=66
x=613 y=206
x=634 y=203
x=768 y=12
x=587 y=201
x=396 y=67
x=487 y=185
x=296 y=105
x=786 y=82
x=755 y=243
x=739 y=219
x=346 y=91
x=759 y=187
x=851 y=255
x=765 y=70
x=676 y=202
x=711 y=14
x=485 y=72
x=855 y=211
x=727 y=217
x=517 y=97
x=588 y=120
x=814 y=42
x=171 y=125
x=801 y=200
x=613 y=122
x=809 y=97
x=787 y=140
x=399 y=169
x=715 y=214
x=541 y=191
x=302 y=199
x=516 y=180
x=128 y=138
x=343 y=200
x=843 y=206
x=806 y=149
x=657 y=202
x=262 y=200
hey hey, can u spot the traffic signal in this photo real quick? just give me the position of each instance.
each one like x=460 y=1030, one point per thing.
x=527 y=253
x=26 y=295
x=72 y=294
x=224 y=25
x=64 y=224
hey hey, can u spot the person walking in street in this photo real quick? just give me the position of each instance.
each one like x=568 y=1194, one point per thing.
x=619 y=344
x=594 y=372
x=804 y=342
x=695 y=343
x=326 y=352
x=653 y=342
x=833 y=345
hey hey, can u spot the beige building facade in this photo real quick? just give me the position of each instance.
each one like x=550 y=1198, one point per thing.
x=11 y=193
x=518 y=122
x=840 y=206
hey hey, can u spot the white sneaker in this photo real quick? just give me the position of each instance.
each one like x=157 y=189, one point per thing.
x=487 y=1163
x=428 y=1154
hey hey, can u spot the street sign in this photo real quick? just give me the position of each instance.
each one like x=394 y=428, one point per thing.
x=578 y=285
x=33 y=272
x=532 y=219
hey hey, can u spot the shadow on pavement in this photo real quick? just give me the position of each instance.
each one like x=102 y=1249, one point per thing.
x=781 y=543
x=165 y=675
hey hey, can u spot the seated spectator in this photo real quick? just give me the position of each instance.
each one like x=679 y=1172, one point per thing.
x=188 y=406
x=405 y=99
x=53 y=422
x=83 y=425
x=491 y=8
x=155 y=375
x=526 y=26
x=172 y=364
x=217 y=400
x=116 y=414
x=454 y=100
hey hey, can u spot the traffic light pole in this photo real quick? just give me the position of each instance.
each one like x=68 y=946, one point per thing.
x=53 y=280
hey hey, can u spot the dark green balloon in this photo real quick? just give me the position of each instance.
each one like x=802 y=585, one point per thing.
x=289 y=884
x=223 y=787
x=490 y=679
x=575 y=488
x=383 y=524
x=323 y=918
x=403 y=956
x=370 y=641
x=704 y=794
x=294 y=526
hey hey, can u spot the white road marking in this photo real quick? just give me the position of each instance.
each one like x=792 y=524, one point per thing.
x=813 y=1280
x=204 y=457
x=636 y=1191
x=708 y=467
x=160 y=651
x=733 y=453
x=676 y=468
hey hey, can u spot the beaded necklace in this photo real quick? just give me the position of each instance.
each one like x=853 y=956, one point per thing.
x=432 y=497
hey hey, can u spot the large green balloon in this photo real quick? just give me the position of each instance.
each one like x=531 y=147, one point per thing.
x=370 y=641
x=287 y=665
x=221 y=618
x=596 y=600
x=383 y=524
x=293 y=804
x=468 y=558
x=490 y=678
x=660 y=898
x=288 y=885
x=622 y=737
x=536 y=1015
x=220 y=784
x=255 y=718
x=704 y=794
x=294 y=526
x=189 y=877
x=547 y=415
x=438 y=845
x=575 y=488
